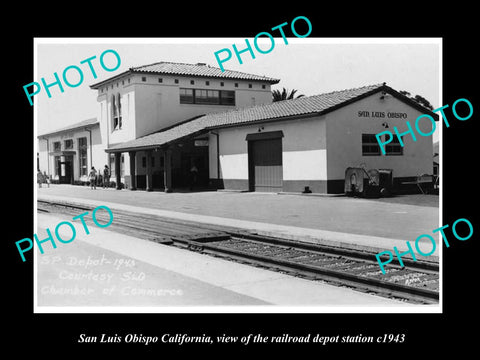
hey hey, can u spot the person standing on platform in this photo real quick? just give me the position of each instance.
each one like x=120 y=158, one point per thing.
x=93 y=178
x=46 y=178
x=193 y=176
x=106 y=177
x=39 y=178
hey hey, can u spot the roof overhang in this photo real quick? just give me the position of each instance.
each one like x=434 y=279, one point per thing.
x=66 y=130
x=162 y=146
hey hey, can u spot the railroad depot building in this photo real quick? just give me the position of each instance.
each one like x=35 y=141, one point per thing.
x=158 y=123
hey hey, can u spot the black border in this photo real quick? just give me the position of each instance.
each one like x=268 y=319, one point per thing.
x=429 y=334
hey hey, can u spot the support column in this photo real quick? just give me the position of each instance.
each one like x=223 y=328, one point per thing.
x=133 y=175
x=117 y=170
x=167 y=170
x=149 y=170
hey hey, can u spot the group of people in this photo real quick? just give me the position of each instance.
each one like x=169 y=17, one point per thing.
x=92 y=176
x=95 y=176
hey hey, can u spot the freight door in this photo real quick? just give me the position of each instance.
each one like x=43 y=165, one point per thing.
x=265 y=165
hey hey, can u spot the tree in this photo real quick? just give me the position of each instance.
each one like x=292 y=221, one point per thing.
x=284 y=95
x=418 y=98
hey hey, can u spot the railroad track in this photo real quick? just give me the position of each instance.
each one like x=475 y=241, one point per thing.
x=418 y=282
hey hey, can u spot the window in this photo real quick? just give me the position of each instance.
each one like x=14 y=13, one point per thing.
x=116 y=112
x=263 y=86
x=152 y=162
x=394 y=147
x=119 y=105
x=186 y=96
x=370 y=145
x=144 y=78
x=207 y=82
x=57 y=146
x=222 y=83
x=236 y=84
x=144 y=161
x=68 y=144
x=249 y=86
x=192 y=82
x=209 y=97
x=227 y=97
x=56 y=160
x=82 y=156
x=160 y=80
x=176 y=81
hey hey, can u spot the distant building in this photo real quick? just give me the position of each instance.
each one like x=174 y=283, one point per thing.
x=68 y=153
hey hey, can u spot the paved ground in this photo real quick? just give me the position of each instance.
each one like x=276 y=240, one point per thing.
x=393 y=218
x=110 y=270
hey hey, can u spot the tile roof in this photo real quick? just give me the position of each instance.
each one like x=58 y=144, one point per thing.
x=81 y=124
x=199 y=69
x=184 y=69
x=279 y=110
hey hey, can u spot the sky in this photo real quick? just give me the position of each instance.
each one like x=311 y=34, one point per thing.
x=310 y=65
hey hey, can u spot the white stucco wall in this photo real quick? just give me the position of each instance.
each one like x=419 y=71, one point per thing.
x=303 y=147
x=344 y=138
x=104 y=114
x=157 y=105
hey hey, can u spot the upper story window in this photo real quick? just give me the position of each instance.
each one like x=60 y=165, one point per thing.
x=116 y=112
x=209 y=97
x=186 y=96
x=227 y=97
x=68 y=144
x=57 y=146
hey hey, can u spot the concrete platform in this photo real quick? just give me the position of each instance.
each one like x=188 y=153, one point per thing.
x=363 y=222
x=201 y=283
